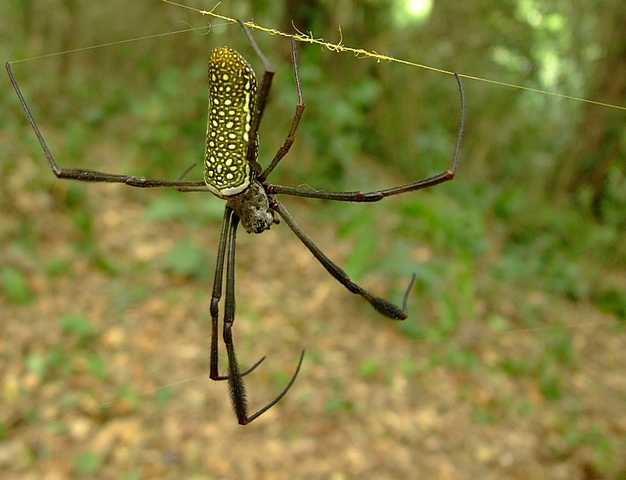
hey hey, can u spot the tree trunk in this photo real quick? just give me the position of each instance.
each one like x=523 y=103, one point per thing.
x=600 y=130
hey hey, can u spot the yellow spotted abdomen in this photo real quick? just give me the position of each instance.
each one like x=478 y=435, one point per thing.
x=232 y=98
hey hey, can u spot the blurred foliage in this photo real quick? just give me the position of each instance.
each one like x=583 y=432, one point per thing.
x=87 y=463
x=366 y=125
x=186 y=258
x=515 y=211
x=15 y=285
x=538 y=207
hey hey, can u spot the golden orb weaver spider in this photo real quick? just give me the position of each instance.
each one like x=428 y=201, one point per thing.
x=232 y=172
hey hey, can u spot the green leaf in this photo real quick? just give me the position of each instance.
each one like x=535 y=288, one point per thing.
x=168 y=207
x=97 y=367
x=15 y=285
x=79 y=325
x=87 y=462
x=186 y=258
x=36 y=364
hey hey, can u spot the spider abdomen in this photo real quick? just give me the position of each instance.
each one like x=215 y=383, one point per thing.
x=232 y=99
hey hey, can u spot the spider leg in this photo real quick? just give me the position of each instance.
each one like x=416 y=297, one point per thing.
x=264 y=90
x=92 y=175
x=262 y=100
x=217 y=295
x=284 y=149
x=377 y=195
x=280 y=395
x=381 y=305
x=235 y=380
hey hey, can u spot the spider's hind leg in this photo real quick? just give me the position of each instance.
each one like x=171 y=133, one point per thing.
x=216 y=296
x=236 y=385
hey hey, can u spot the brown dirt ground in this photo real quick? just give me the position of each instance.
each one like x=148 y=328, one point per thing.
x=369 y=402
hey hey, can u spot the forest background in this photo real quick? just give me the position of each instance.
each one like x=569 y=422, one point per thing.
x=511 y=364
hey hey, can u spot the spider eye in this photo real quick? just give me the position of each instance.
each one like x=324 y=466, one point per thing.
x=232 y=99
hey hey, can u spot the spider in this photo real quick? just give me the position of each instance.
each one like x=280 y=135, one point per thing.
x=232 y=173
